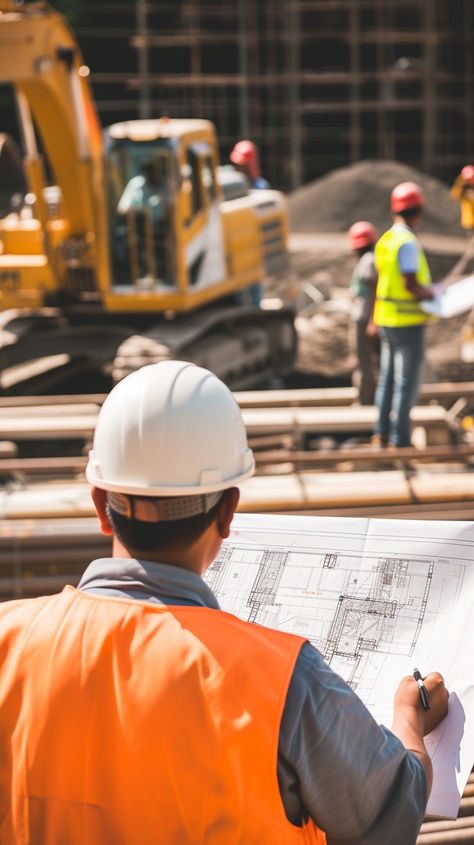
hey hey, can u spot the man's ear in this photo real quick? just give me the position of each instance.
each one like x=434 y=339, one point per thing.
x=225 y=512
x=99 y=497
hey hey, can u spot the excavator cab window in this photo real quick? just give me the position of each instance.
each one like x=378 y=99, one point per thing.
x=208 y=179
x=141 y=178
x=199 y=172
x=193 y=171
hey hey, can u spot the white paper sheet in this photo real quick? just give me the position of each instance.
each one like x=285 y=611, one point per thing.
x=456 y=299
x=377 y=598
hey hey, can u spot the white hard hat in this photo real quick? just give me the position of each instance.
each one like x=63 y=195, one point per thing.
x=169 y=429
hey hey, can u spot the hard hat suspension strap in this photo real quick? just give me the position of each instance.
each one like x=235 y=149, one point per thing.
x=152 y=509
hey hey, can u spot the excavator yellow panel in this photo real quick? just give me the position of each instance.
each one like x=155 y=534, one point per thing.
x=24 y=280
x=21 y=237
x=58 y=231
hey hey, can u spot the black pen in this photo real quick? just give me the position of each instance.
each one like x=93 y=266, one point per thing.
x=423 y=693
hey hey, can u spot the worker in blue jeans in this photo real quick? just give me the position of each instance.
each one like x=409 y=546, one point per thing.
x=404 y=280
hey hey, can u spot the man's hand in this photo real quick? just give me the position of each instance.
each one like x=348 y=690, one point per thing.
x=411 y=722
x=408 y=696
x=371 y=330
x=420 y=292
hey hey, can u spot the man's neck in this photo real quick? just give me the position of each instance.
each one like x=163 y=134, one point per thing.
x=400 y=221
x=191 y=558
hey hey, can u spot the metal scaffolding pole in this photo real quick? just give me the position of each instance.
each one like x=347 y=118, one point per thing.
x=144 y=99
x=294 y=99
x=244 y=123
x=429 y=67
x=355 y=76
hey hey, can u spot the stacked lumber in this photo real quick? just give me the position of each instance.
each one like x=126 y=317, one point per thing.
x=300 y=492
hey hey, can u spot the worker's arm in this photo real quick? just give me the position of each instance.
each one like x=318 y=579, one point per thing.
x=408 y=260
x=336 y=764
x=372 y=330
x=132 y=196
x=420 y=292
x=411 y=722
x=456 y=190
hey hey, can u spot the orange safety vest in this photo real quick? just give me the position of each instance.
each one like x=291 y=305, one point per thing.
x=129 y=723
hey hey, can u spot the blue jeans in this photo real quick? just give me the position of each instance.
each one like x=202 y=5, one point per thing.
x=401 y=359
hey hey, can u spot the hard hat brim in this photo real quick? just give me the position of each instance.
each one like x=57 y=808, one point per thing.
x=95 y=480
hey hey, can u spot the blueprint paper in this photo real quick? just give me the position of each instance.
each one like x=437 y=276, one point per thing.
x=455 y=299
x=377 y=597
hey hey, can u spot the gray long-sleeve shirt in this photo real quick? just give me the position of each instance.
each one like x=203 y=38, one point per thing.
x=335 y=764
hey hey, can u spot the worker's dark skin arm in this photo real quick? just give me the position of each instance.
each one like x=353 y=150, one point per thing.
x=411 y=722
x=419 y=291
x=372 y=330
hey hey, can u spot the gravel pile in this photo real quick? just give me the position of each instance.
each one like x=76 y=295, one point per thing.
x=362 y=192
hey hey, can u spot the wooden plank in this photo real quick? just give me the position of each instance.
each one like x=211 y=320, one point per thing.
x=8 y=449
x=79 y=427
x=47 y=500
x=259 y=421
x=53 y=410
x=448 y=487
x=300 y=397
x=44 y=466
x=343 y=396
x=364 y=455
x=357 y=418
x=39 y=401
x=313 y=397
x=327 y=457
x=304 y=491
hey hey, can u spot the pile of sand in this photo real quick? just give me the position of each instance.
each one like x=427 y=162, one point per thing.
x=362 y=192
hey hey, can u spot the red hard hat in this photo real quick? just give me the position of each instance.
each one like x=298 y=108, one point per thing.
x=407 y=195
x=244 y=152
x=361 y=234
x=245 y=155
x=467 y=174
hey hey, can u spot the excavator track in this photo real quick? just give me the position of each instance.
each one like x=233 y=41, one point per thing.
x=245 y=346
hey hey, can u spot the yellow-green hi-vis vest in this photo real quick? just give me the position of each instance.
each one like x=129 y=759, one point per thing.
x=395 y=306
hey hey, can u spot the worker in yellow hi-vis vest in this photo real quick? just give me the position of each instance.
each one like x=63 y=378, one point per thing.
x=404 y=280
x=463 y=192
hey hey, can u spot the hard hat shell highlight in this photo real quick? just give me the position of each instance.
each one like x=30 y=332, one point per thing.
x=169 y=429
x=245 y=154
x=467 y=174
x=361 y=234
x=406 y=195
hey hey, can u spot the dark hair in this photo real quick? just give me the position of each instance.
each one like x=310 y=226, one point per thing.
x=410 y=213
x=138 y=536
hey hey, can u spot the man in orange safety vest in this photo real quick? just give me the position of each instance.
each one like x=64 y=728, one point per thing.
x=135 y=711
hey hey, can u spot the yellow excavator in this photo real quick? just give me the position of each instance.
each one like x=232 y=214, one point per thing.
x=130 y=245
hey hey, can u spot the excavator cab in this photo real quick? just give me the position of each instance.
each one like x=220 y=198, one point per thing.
x=141 y=179
x=165 y=213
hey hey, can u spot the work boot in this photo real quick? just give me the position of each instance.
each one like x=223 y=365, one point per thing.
x=378 y=442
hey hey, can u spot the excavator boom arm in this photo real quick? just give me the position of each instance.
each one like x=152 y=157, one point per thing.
x=40 y=58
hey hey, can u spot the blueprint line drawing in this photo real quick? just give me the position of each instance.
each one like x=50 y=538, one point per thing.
x=375 y=597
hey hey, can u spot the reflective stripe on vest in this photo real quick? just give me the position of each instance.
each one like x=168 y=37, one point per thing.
x=394 y=304
x=126 y=722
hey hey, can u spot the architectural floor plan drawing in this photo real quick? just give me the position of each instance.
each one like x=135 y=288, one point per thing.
x=376 y=597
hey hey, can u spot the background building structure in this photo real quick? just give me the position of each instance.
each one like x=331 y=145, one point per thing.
x=317 y=84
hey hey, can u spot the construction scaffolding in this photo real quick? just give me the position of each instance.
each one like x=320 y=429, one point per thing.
x=317 y=84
